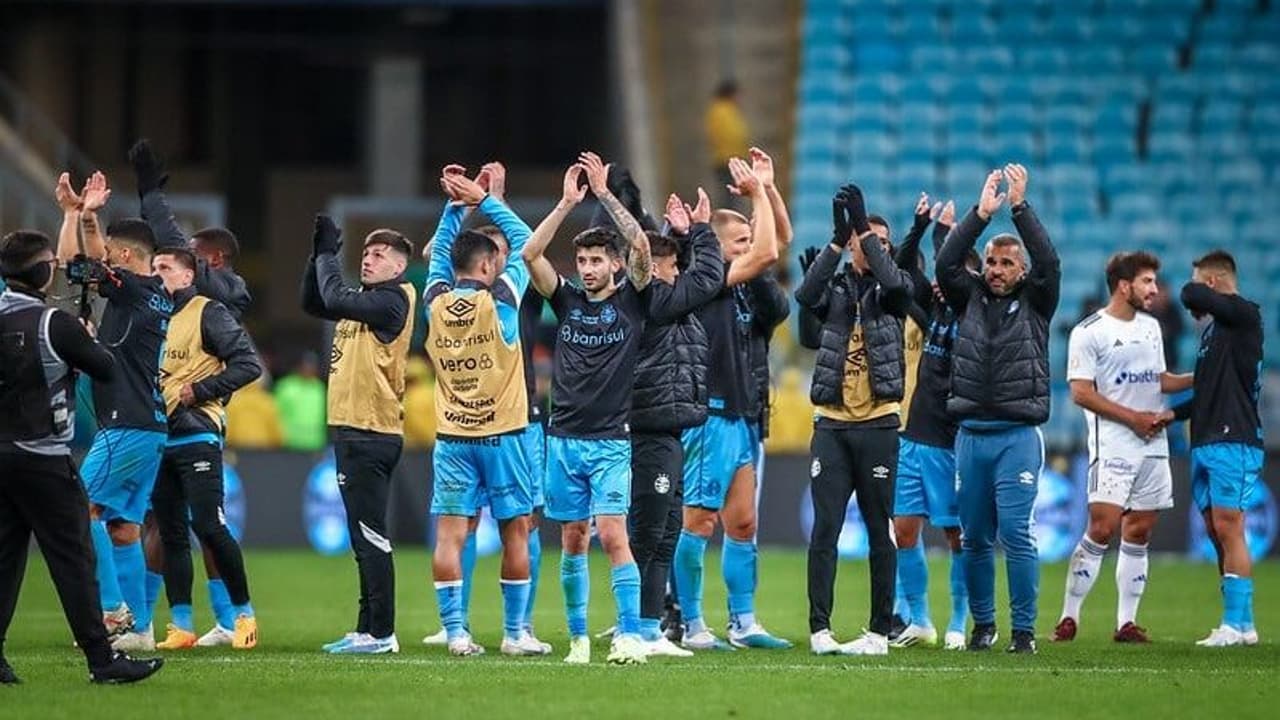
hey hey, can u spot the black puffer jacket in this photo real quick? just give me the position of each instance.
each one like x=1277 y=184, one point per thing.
x=1000 y=360
x=670 y=391
x=770 y=308
x=878 y=301
x=226 y=340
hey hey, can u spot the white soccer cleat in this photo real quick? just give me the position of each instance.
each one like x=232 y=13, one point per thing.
x=704 y=640
x=142 y=641
x=439 y=639
x=662 y=647
x=628 y=650
x=217 y=637
x=824 y=643
x=916 y=635
x=1249 y=637
x=117 y=622
x=526 y=646
x=579 y=651
x=954 y=640
x=1222 y=636
x=868 y=644
x=464 y=646
x=546 y=646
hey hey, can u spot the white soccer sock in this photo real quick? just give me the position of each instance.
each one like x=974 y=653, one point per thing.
x=1131 y=581
x=1086 y=561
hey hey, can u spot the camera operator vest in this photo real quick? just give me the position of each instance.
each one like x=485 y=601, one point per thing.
x=37 y=389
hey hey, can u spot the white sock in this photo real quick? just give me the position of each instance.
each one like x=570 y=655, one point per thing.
x=1131 y=581
x=1086 y=561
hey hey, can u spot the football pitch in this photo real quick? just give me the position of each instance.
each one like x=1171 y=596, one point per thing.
x=304 y=600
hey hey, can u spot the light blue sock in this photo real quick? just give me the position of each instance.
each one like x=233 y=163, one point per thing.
x=1248 y=604
x=624 y=580
x=515 y=598
x=468 y=569
x=913 y=575
x=690 y=551
x=245 y=609
x=959 y=594
x=155 y=581
x=739 y=568
x=220 y=601
x=900 y=606
x=576 y=584
x=131 y=569
x=105 y=566
x=449 y=599
x=535 y=565
x=182 y=617
x=1235 y=599
x=650 y=629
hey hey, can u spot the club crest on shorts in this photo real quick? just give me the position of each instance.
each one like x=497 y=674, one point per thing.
x=662 y=484
x=815 y=469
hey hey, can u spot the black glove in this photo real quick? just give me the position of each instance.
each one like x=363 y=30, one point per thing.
x=807 y=258
x=840 y=219
x=148 y=168
x=856 y=206
x=326 y=239
x=920 y=221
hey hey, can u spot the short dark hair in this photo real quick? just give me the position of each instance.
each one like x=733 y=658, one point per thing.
x=185 y=257
x=879 y=220
x=20 y=248
x=662 y=245
x=727 y=88
x=134 y=232
x=219 y=238
x=391 y=239
x=494 y=233
x=605 y=237
x=1126 y=266
x=467 y=249
x=1219 y=260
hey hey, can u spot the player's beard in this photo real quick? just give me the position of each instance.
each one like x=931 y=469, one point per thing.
x=1136 y=302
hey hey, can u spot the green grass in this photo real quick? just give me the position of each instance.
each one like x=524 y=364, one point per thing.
x=304 y=600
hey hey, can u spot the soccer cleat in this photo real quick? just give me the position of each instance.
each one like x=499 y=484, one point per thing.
x=916 y=635
x=983 y=637
x=1223 y=636
x=896 y=626
x=140 y=641
x=7 y=675
x=367 y=644
x=177 y=639
x=758 y=638
x=341 y=642
x=464 y=646
x=1249 y=637
x=1024 y=643
x=1065 y=631
x=824 y=643
x=440 y=638
x=868 y=644
x=217 y=637
x=953 y=640
x=704 y=640
x=579 y=650
x=1131 y=633
x=628 y=650
x=124 y=669
x=663 y=647
x=546 y=646
x=525 y=646
x=672 y=624
x=117 y=622
x=246 y=635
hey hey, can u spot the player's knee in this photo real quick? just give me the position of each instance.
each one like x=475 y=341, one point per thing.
x=1227 y=526
x=613 y=537
x=123 y=533
x=700 y=522
x=907 y=532
x=575 y=537
x=1100 y=531
x=741 y=529
x=1015 y=537
x=954 y=538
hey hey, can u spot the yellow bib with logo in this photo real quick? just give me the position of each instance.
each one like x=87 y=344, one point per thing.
x=913 y=337
x=186 y=362
x=479 y=377
x=366 y=375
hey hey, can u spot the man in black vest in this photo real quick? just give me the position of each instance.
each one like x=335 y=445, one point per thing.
x=41 y=349
x=1000 y=397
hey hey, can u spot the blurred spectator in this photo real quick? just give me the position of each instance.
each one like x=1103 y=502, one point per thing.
x=419 y=404
x=728 y=137
x=253 y=421
x=301 y=400
x=1171 y=325
x=791 y=417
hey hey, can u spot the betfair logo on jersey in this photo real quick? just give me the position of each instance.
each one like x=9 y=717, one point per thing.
x=461 y=309
x=1137 y=378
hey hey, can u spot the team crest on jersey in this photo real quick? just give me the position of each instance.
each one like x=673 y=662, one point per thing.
x=608 y=314
x=815 y=469
x=662 y=484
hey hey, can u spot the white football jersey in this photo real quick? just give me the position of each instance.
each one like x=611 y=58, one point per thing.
x=1125 y=360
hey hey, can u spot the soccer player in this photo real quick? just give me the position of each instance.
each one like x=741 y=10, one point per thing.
x=1000 y=396
x=121 y=466
x=670 y=373
x=857 y=389
x=588 y=444
x=208 y=356
x=925 y=486
x=366 y=408
x=481 y=406
x=1117 y=373
x=719 y=455
x=1226 y=432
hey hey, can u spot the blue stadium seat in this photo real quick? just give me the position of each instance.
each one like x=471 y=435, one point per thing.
x=1221 y=29
x=1260 y=57
x=1223 y=146
x=918 y=88
x=1098 y=60
x=1119 y=30
x=1019 y=27
x=1174 y=146
x=873 y=25
x=934 y=58
x=1154 y=60
x=1069 y=24
x=1168 y=115
x=988 y=58
x=1065 y=149
x=1019 y=148
x=969 y=28
x=877 y=56
x=920 y=24
x=1181 y=88
x=1211 y=58
x=1121 y=178
x=1044 y=60
x=875 y=89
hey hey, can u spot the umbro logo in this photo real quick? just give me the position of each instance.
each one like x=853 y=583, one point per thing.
x=342 y=480
x=880 y=472
x=1027 y=478
x=460 y=307
x=614 y=496
x=202 y=466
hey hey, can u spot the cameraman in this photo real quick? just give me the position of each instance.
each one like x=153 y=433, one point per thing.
x=41 y=349
x=121 y=467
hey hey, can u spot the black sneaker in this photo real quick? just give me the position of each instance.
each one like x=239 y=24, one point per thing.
x=896 y=627
x=673 y=624
x=7 y=676
x=983 y=637
x=124 y=669
x=1024 y=642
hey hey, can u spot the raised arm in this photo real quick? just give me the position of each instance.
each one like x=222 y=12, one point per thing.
x=942 y=225
x=151 y=178
x=69 y=234
x=704 y=276
x=1201 y=300
x=894 y=293
x=382 y=309
x=544 y=277
x=312 y=303
x=1044 y=278
x=764 y=236
x=955 y=280
x=639 y=260
x=908 y=255
x=762 y=167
